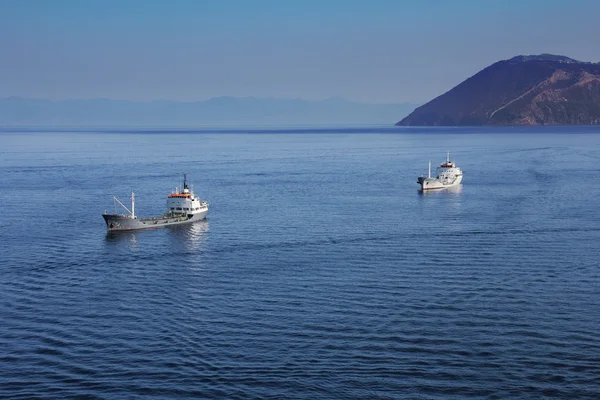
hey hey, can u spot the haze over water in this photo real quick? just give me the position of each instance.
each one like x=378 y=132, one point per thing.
x=321 y=271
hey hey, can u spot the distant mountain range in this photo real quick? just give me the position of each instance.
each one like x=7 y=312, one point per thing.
x=216 y=111
x=541 y=89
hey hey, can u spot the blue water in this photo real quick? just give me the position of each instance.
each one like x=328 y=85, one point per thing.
x=320 y=273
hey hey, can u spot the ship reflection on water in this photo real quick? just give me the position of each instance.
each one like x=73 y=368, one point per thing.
x=122 y=237
x=190 y=236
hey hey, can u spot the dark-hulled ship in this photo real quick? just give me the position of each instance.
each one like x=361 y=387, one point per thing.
x=183 y=207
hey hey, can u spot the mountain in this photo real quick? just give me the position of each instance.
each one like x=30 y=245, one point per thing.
x=215 y=111
x=540 y=89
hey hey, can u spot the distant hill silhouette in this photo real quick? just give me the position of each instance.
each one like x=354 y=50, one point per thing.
x=215 y=111
x=526 y=90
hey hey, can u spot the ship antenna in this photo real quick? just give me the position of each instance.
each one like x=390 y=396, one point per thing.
x=185 y=186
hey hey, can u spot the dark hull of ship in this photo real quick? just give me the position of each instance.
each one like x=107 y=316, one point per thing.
x=118 y=222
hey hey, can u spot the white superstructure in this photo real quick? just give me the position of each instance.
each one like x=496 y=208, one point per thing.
x=185 y=202
x=447 y=175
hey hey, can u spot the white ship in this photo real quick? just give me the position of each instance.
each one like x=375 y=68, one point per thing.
x=447 y=175
x=183 y=207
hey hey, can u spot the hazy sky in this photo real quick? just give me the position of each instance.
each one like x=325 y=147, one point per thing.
x=376 y=51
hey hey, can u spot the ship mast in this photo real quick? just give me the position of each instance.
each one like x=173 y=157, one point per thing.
x=132 y=205
x=123 y=205
x=429 y=170
x=448 y=158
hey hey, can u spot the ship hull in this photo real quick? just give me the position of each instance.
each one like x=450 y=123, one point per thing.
x=436 y=184
x=119 y=222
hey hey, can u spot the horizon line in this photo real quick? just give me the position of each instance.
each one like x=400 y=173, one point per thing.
x=331 y=98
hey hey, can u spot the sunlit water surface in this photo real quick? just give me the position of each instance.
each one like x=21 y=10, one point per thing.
x=321 y=271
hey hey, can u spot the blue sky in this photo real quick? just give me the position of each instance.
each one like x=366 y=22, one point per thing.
x=377 y=51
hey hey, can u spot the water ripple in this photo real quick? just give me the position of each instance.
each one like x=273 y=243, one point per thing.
x=320 y=273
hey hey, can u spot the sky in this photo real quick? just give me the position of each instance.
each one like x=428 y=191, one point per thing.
x=370 y=51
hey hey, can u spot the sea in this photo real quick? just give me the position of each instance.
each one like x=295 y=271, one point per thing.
x=321 y=272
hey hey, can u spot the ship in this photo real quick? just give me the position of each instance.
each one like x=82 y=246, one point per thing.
x=448 y=175
x=183 y=207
